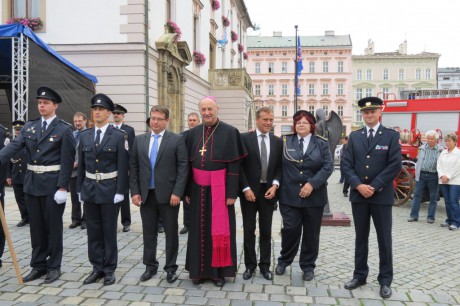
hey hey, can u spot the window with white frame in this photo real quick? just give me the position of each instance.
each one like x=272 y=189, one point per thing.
x=368 y=92
x=418 y=74
x=358 y=116
x=385 y=74
x=325 y=89
x=401 y=74
x=311 y=89
x=428 y=74
x=326 y=109
x=369 y=74
x=271 y=67
x=311 y=67
x=340 y=66
x=359 y=74
x=271 y=89
x=325 y=66
x=340 y=88
x=311 y=109
x=257 y=67
x=359 y=93
x=283 y=67
x=386 y=91
x=257 y=89
x=284 y=89
x=26 y=8
x=340 y=110
x=284 y=110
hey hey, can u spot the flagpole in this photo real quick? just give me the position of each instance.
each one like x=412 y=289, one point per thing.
x=296 y=75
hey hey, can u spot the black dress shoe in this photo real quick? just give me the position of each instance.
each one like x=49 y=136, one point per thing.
x=52 y=276
x=267 y=274
x=308 y=275
x=385 y=291
x=93 y=277
x=161 y=229
x=248 y=274
x=74 y=224
x=126 y=228
x=33 y=275
x=171 y=277
x=354 y=283
x=197 y=281
x=220 y=282
x=184 y=230
x=147 y=275
x=83 y=225
x=279 y=270
x=109 y=279
x=22 y=223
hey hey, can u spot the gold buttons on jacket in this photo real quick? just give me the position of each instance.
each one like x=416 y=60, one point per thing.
x=97 y=160
x=368 y=156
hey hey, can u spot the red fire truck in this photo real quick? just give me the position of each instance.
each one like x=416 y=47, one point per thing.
x=412 y=118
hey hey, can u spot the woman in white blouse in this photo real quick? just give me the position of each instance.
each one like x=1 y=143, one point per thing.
x=449 y=181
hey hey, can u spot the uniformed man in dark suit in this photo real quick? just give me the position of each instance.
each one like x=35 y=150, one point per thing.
x=4 y=140
x=118 y=122
x=370 y=164
x=102 y=181
x=16 y=176
x=50 y=155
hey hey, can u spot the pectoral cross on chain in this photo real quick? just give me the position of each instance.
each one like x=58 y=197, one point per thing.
x=202 y=151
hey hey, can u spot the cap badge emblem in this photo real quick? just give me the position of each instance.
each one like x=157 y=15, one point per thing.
x=368 y=103
x=43 y=93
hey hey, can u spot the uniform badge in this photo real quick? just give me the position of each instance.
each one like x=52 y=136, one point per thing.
x=126 y=145
x=43 y=93
x=7 y=141
x=51 y=139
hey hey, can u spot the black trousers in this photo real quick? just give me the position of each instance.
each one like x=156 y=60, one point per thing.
x=346 y=186
x=125 y=210
x=249 y=210
x=299 y=222
x=382 y=218
x=186 y=210
x=2 y=234
x=76 y=215
x=151 y=210
x=101 y=222
x=45 y=217
x=21 y=200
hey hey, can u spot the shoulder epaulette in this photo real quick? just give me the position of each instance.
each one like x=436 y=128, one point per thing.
x=85 y=131
x=390 y=129
x=3 y=128
x=321 y=137
x=65 y=122
x=120 y=130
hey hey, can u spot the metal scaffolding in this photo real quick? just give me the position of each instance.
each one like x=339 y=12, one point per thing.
x=20 y=78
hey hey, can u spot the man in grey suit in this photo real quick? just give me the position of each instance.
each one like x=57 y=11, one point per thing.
x=78 y=218
x=158 y=176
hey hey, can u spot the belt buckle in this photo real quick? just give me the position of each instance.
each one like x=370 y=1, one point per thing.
x=98 y=177
x=40 y=169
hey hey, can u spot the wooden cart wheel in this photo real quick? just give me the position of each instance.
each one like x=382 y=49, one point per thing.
x=403 y=187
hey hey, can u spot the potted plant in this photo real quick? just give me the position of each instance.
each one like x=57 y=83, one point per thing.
x=245 y=55
x=32 y=23
x=225 y=21
x=199 y=58
x=240 y=48
x=234 y=36
x=172 y=27
x=215 y=5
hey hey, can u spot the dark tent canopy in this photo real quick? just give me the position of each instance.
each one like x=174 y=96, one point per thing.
x=45 y=67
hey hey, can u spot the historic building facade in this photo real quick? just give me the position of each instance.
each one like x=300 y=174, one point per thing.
x=141 y=59
x=387 y=74
x=449 y=78
x=325 y=82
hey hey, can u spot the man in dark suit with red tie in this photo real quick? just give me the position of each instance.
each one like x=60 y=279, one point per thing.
x=370 y=164
x=259 y=179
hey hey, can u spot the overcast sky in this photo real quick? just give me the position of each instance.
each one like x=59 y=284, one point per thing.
x=427 y=25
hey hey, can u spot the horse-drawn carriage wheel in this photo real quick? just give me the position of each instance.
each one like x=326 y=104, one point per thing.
x=403 y=187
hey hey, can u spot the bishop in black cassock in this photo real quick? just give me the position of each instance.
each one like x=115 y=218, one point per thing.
x=214 y=152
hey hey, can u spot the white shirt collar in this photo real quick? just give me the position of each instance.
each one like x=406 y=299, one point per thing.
x=161 y=133
x=49 y=120
x=103 y=129
x=376 y=127
x=260 y=133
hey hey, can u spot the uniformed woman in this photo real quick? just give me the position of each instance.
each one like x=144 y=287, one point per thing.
x=307 y=164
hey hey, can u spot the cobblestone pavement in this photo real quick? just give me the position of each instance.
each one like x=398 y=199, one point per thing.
x=426 y=263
